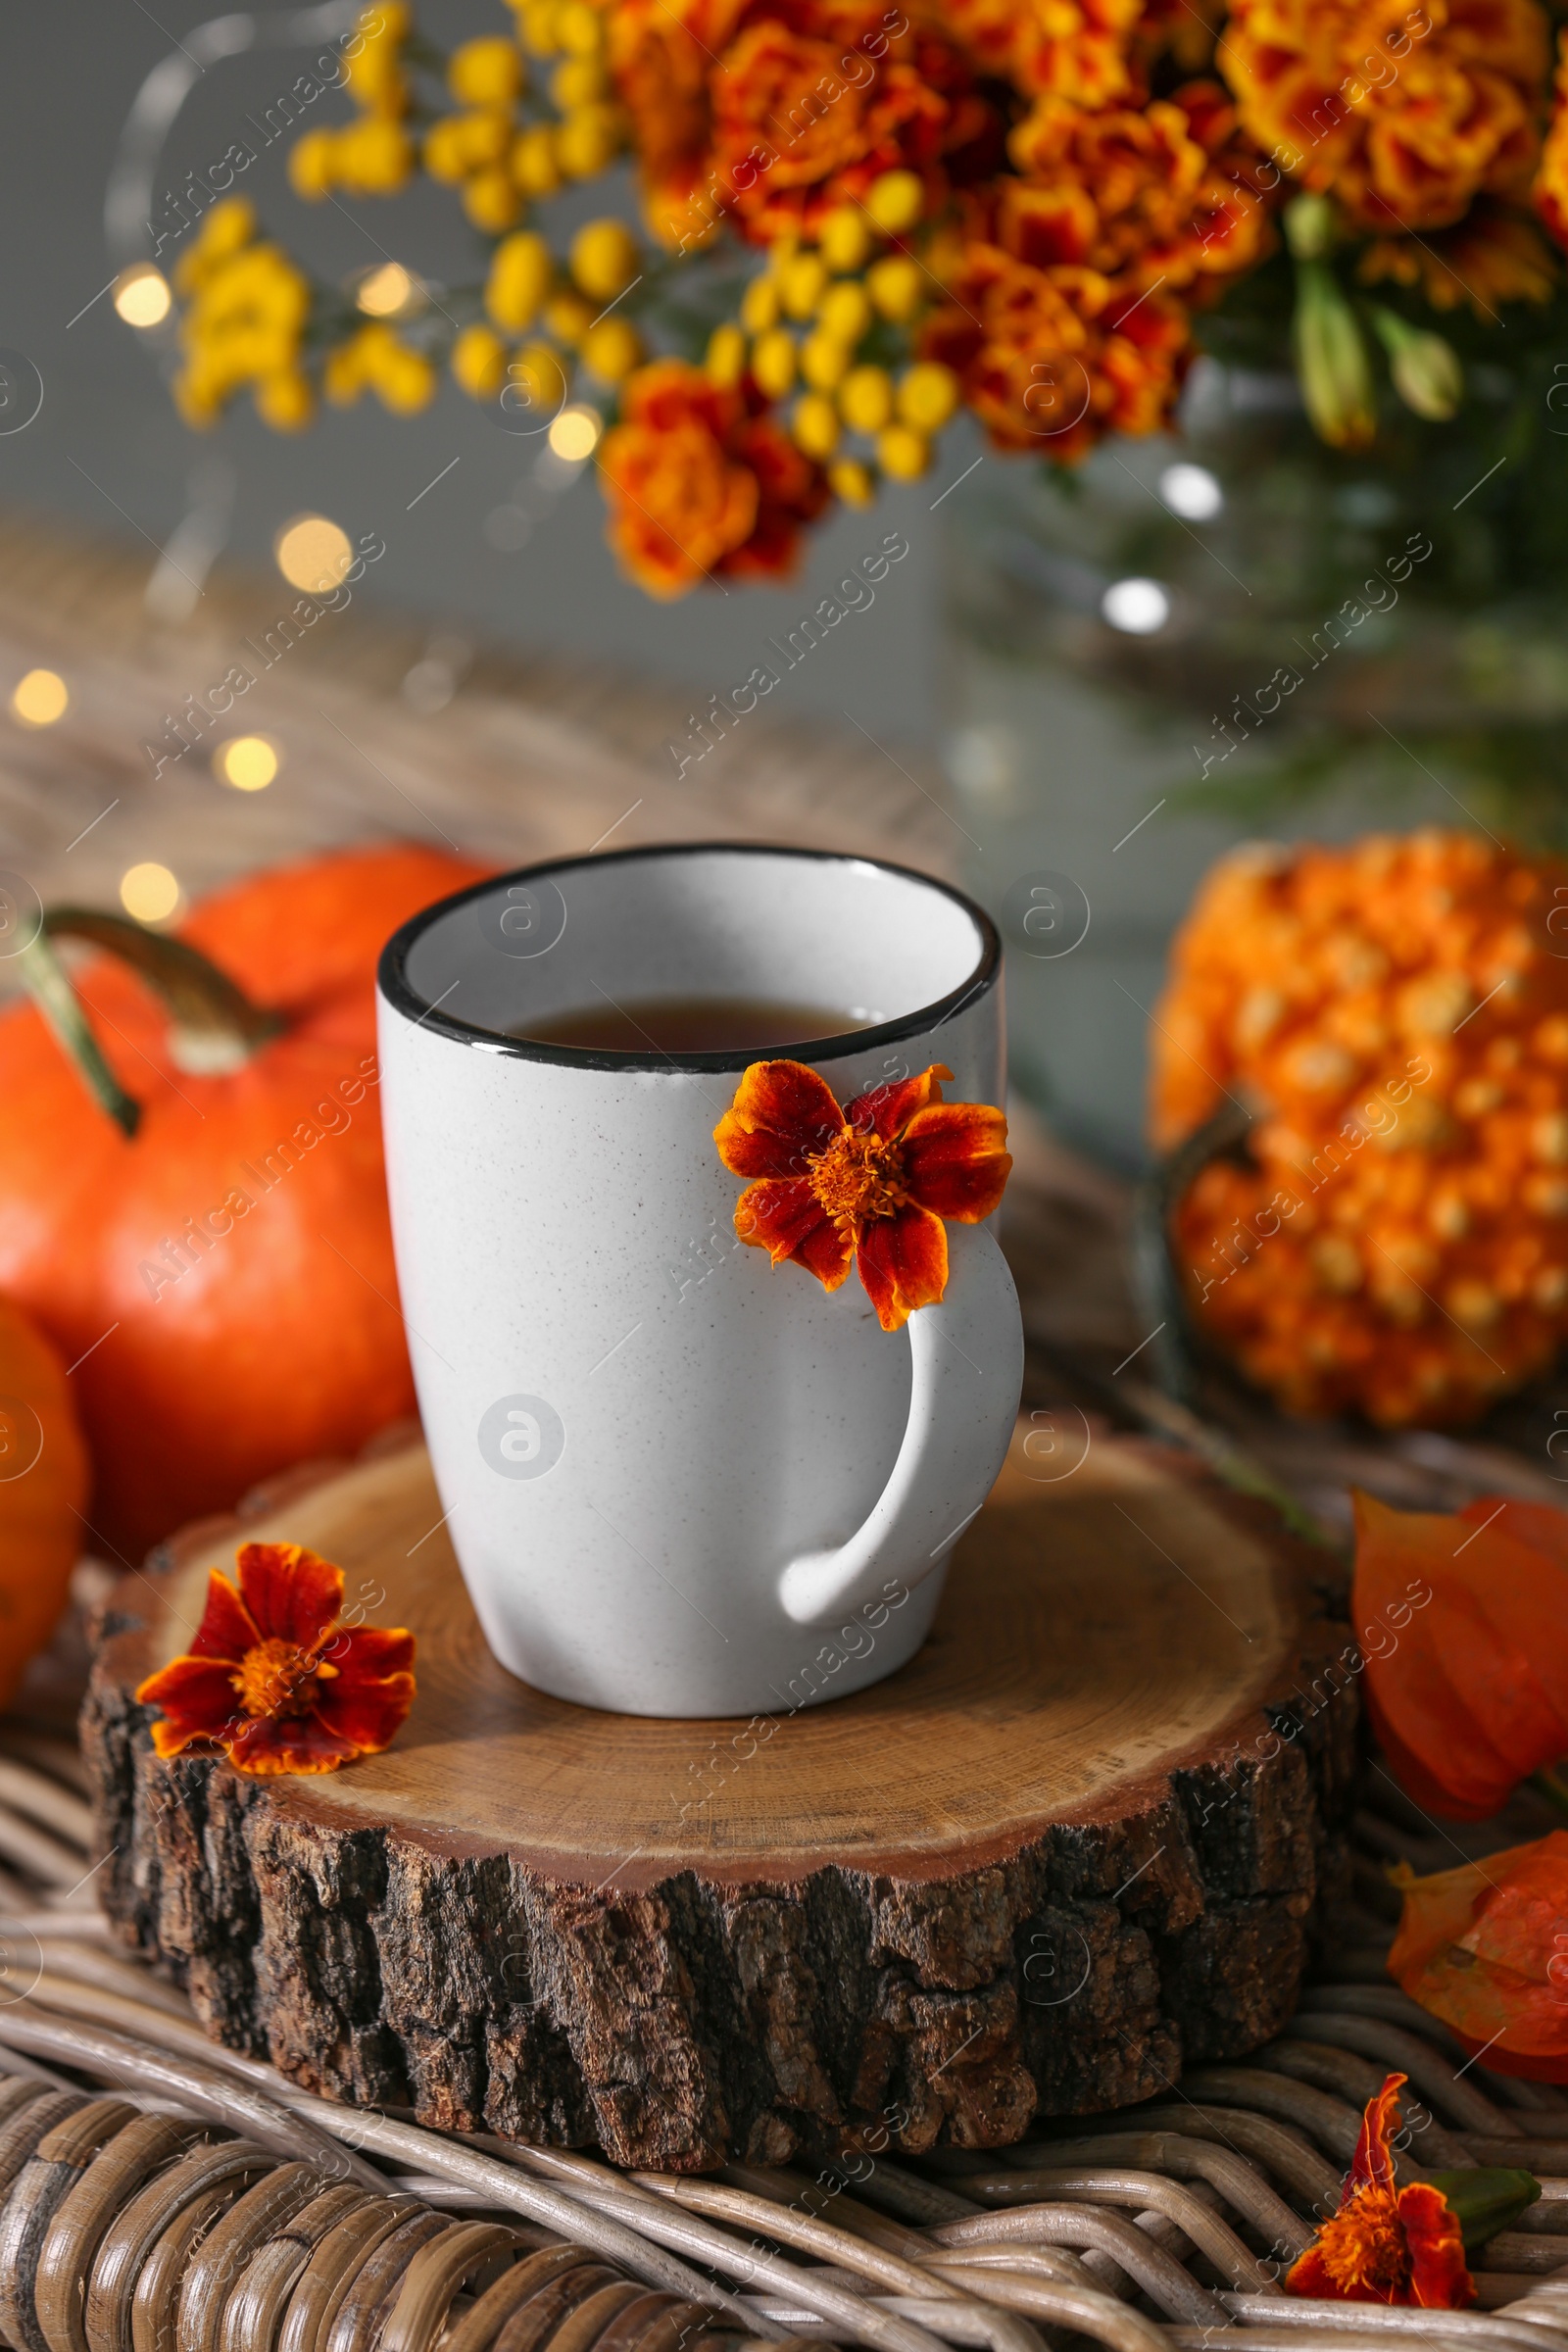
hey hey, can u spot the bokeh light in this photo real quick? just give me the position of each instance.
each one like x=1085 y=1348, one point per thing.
x=149 y=892
x=247 y=761
x=1137 y=606
x=312 y=552
x=574 y=434
x=39 y=698
x=1191 y=492
x=142 y=296
x=388 y=291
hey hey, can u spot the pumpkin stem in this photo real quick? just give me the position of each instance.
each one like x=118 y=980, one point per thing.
x=51 y=991
x=216 y=1026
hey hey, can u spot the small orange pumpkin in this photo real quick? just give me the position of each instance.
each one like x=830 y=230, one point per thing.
x=43 y=1490
x=1395 y=1015
x=210 y=1237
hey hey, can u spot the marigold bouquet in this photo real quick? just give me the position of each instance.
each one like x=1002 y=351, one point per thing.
x=860 y=217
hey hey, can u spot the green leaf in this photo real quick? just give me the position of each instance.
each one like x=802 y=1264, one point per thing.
x=1487 y=2199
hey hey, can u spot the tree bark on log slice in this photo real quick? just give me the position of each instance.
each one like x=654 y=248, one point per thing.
x=1074 y=1843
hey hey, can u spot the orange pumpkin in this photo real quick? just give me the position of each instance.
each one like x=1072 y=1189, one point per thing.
x=43 y=1491
x=226 y=1273
x=1395 y=1239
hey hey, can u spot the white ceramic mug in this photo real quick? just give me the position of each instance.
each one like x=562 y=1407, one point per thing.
x=681 y=1481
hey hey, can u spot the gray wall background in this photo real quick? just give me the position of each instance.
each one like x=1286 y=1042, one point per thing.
x=108 y=451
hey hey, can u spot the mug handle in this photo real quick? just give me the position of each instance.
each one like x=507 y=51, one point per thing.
x=968 y=1360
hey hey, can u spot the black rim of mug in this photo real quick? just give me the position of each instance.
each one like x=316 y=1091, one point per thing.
x=393 y=981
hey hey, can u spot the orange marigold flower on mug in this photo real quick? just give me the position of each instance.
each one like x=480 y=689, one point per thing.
x=868 y=1184
x=1385 y=2244
x=1485 y=1948
x=1404 y=115
x=701 y=483
x=274 y=1678
x=1468 y=1690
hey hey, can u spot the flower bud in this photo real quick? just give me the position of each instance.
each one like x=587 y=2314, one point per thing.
x=1332 y=359
x=1425 y=367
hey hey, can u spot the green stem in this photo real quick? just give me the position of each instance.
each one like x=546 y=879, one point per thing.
x=216 y=1028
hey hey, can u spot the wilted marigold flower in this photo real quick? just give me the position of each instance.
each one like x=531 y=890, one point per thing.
x=1403 y=114
x=1385 y=2244
x=699 y=482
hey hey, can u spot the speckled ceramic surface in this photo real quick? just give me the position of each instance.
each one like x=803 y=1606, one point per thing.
x=670 y=1470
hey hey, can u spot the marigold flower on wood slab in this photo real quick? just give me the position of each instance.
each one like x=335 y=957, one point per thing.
x=1470 y=1695
x=1485 y=1948
x=870 y=1183
x=1385 y=2244
x=274 y=1678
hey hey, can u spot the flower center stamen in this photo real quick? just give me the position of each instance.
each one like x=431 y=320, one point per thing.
x=1364 y=2246
x=275 y=1677
x=859 y=1177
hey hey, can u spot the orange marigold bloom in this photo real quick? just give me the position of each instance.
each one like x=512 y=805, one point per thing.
x=701 y=483
x=1492 y=258
x=1467 y=1689
x=1051 y=359
x=1385 y=2244
x=1143 y=193
x=1551 y=182
x=870 y=1183
x=1073 y=49
x=1402 y=113
x=275 y=1679
x=771 y=115
x=1485 y=1948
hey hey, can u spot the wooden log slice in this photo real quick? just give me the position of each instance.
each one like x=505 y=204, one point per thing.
x=1076 y=1842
